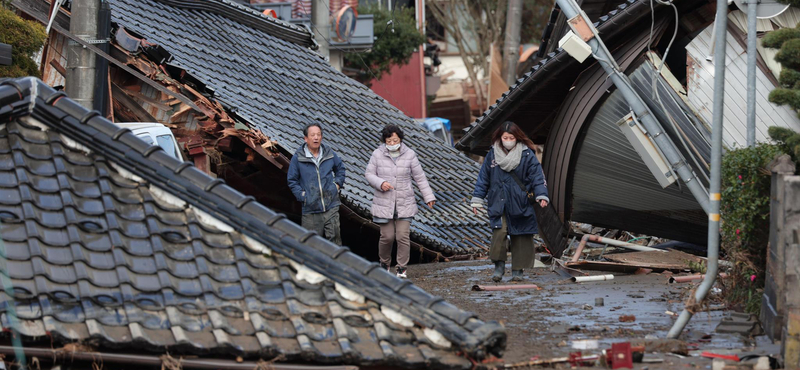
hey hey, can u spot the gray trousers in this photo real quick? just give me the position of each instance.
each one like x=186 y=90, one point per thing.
x=522 y=248
x=325 y=224
x=395 y=230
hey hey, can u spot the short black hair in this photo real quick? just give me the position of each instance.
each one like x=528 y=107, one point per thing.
x=389 y=130
x=310 y=125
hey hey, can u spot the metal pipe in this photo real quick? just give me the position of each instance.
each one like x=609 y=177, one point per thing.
x=491 y=288
x=616 y=243
x=583 y=279
x=721 y=33
x=752 y=53
x=639 y=108
x=119 y=358
x=686 y=279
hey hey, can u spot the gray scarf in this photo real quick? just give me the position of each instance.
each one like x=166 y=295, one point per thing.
x=508 y=162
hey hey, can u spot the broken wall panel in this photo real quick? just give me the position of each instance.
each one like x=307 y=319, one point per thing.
x=55 y=61
x=612 y=187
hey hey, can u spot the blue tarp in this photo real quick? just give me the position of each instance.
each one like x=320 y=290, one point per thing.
x=440 y=127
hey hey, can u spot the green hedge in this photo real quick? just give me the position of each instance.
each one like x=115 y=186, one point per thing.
x=745 y=220
x=26 y=38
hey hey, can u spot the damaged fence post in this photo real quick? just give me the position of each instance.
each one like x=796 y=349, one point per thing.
x=599 y=239
x=721 y=33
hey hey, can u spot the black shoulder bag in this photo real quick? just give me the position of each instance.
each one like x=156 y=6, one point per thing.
x=531 y=197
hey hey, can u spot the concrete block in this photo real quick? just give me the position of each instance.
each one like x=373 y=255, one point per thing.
x=791 y=353
x=792 y=291
x=791 y=340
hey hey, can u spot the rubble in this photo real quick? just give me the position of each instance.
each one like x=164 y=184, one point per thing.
x=740 y=323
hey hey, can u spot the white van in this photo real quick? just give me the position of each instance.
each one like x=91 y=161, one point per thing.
x=155 y=133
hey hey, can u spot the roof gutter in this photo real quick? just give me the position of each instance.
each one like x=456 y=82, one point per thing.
x=65 y=356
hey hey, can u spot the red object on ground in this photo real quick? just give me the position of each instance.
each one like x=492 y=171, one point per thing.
x=627 y=318
x=719 y=356
x=575 y=359
x=621 y=356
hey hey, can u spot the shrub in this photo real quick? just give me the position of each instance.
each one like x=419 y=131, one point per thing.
x=26 y=38
x=390 y=48
x=788 y=139
x=745 y=219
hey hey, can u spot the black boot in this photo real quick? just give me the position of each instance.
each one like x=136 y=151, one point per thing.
x=499 y=270
x=516 y=275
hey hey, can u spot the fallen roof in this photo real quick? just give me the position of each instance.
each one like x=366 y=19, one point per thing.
x=279 y=87
x=113 y=242
x=551 y=77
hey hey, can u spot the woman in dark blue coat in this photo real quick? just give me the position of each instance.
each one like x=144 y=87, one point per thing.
x=510 y=212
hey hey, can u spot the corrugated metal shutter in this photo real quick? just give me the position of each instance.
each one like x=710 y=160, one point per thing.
x=611 y=185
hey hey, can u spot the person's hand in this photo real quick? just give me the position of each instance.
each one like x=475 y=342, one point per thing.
x=475 y=210
x=543 y=203
x=386 y=186
x=431 y=203
x=337 y=187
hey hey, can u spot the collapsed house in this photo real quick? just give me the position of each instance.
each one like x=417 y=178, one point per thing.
x=595 y=175
x=127 y=256
x=237 y=87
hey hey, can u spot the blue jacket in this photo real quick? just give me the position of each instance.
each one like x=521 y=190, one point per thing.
x=316 y=187
x=505 y=196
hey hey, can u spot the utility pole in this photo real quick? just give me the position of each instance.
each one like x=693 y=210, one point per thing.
x=320 y=18
x=752 y=56
x=80 y=79
x=511 y=43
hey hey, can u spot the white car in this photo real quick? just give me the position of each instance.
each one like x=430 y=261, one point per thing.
x=155 y=133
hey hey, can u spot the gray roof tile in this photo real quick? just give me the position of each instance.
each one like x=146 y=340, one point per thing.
x=147 y=254
x=280 y=87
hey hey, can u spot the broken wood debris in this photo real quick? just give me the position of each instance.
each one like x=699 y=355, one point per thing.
x=489 y=288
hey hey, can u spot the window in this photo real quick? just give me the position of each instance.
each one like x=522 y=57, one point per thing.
x=146 y=138
x=166 y=143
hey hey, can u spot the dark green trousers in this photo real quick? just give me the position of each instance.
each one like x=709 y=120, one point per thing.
x=522 y=248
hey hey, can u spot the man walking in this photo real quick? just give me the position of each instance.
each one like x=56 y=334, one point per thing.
x=315 y=176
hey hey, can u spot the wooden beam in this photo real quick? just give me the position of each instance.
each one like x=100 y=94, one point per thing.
x=141 y=114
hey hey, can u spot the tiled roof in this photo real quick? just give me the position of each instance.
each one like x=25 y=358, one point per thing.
x=111 y=241
x=279 y=87
x=547 y=69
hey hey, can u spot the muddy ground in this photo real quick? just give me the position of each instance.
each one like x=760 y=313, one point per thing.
x=549 y=322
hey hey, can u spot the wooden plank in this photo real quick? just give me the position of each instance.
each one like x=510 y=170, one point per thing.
x=126 y=101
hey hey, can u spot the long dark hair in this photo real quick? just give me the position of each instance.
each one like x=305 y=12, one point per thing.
x=513 y=129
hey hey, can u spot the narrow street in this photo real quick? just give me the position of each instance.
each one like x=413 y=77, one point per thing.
x=550 y=322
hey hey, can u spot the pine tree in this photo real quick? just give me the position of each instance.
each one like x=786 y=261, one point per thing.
x=788 y=41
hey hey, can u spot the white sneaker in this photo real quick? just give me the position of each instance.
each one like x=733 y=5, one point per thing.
x=401 y=273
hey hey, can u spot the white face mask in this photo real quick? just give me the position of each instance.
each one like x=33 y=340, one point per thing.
x=393 y=148
x=509 y=144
